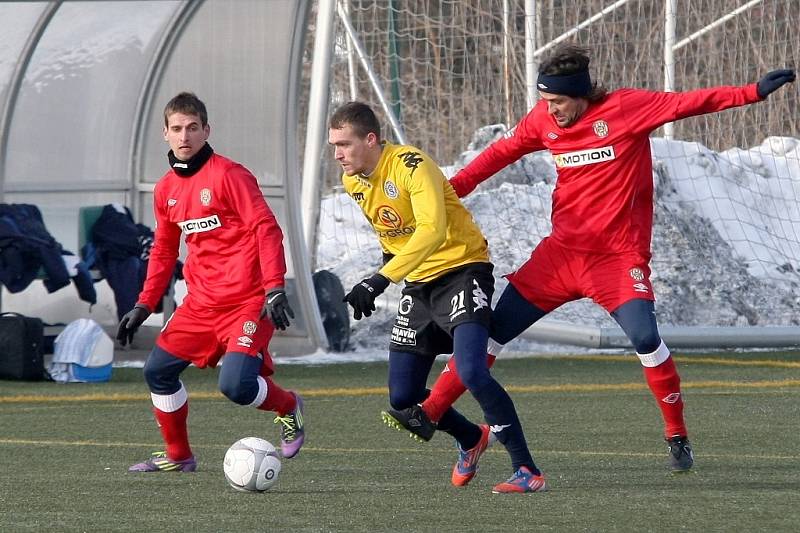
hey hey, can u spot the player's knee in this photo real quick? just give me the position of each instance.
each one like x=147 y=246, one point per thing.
x=645 y=341
x=159 y=380
x=242 y=392
x=475 y=375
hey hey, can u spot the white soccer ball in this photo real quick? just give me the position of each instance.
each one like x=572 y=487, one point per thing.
x=252 y=465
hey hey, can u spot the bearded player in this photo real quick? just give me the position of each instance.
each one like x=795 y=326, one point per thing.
x=602 y=218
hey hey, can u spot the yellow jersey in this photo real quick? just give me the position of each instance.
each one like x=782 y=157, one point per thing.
x=416 y=215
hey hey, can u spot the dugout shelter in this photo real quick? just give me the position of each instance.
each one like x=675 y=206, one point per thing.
x=82 y=90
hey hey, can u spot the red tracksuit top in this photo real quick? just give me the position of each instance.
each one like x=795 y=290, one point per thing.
x=234 y=242
x=603 y=199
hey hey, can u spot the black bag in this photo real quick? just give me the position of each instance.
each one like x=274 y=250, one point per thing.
x=332 y=308
x=21 y=342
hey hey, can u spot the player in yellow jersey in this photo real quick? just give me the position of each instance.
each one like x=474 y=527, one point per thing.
x=431 y=242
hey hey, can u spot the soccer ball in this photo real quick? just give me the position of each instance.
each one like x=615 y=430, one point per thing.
x=252 y=465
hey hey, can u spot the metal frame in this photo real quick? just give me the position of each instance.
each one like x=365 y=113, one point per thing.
x=318 y=106
x=373 y=78
x=292 y=191
x=169 y=39
x=16 y=83
x=319 y=92
x=555 y=331
x=676 y=336
x=670 y=46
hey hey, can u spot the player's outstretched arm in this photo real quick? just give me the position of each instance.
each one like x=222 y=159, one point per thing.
x=772 y=81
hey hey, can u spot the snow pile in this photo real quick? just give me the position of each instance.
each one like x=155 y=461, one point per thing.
x=726 y=237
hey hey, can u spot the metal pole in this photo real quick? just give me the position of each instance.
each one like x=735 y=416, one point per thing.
x=716 y=23
x=15 y=86
x=394 y=66
x=507 y=62
x=670 y=11
x=554 y=331
x=531 y=64
x=351 y=60
x=376 y=85
x=316 y=121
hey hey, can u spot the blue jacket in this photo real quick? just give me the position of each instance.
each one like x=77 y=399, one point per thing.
x=27 y=250
x=119 y=249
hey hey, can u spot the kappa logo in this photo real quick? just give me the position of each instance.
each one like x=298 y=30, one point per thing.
x=479 y=297
x=671 y=398
x=584 y=157
x=200 y=225
x=411 y=160
x=205 y=197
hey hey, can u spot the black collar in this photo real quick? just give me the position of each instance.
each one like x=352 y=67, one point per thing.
x=193 y=165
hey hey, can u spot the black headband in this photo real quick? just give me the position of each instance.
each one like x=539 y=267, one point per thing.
x=575 y=85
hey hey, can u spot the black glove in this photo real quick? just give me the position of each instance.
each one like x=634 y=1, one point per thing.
x=130 y=323
x=772 y=81
x=276 y=307
x=362 y=296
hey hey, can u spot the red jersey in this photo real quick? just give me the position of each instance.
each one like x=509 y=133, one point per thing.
x=234 y=242
x=603 y=199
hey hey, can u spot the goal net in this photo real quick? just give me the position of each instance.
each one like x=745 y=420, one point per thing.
x=726 y=246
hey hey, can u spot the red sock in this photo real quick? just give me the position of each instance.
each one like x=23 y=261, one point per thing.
x=665 y=384
x=447 y=389
x=278 y=400
x=173 y=430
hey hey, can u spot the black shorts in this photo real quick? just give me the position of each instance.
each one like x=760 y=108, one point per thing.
x=429 y=311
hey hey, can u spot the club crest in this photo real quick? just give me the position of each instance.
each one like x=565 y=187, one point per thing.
x=249 y=327
x=600 y=128
x=390 y=189
x=637 y=274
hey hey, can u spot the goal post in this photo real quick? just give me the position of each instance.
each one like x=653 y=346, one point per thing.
x=726 y=239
